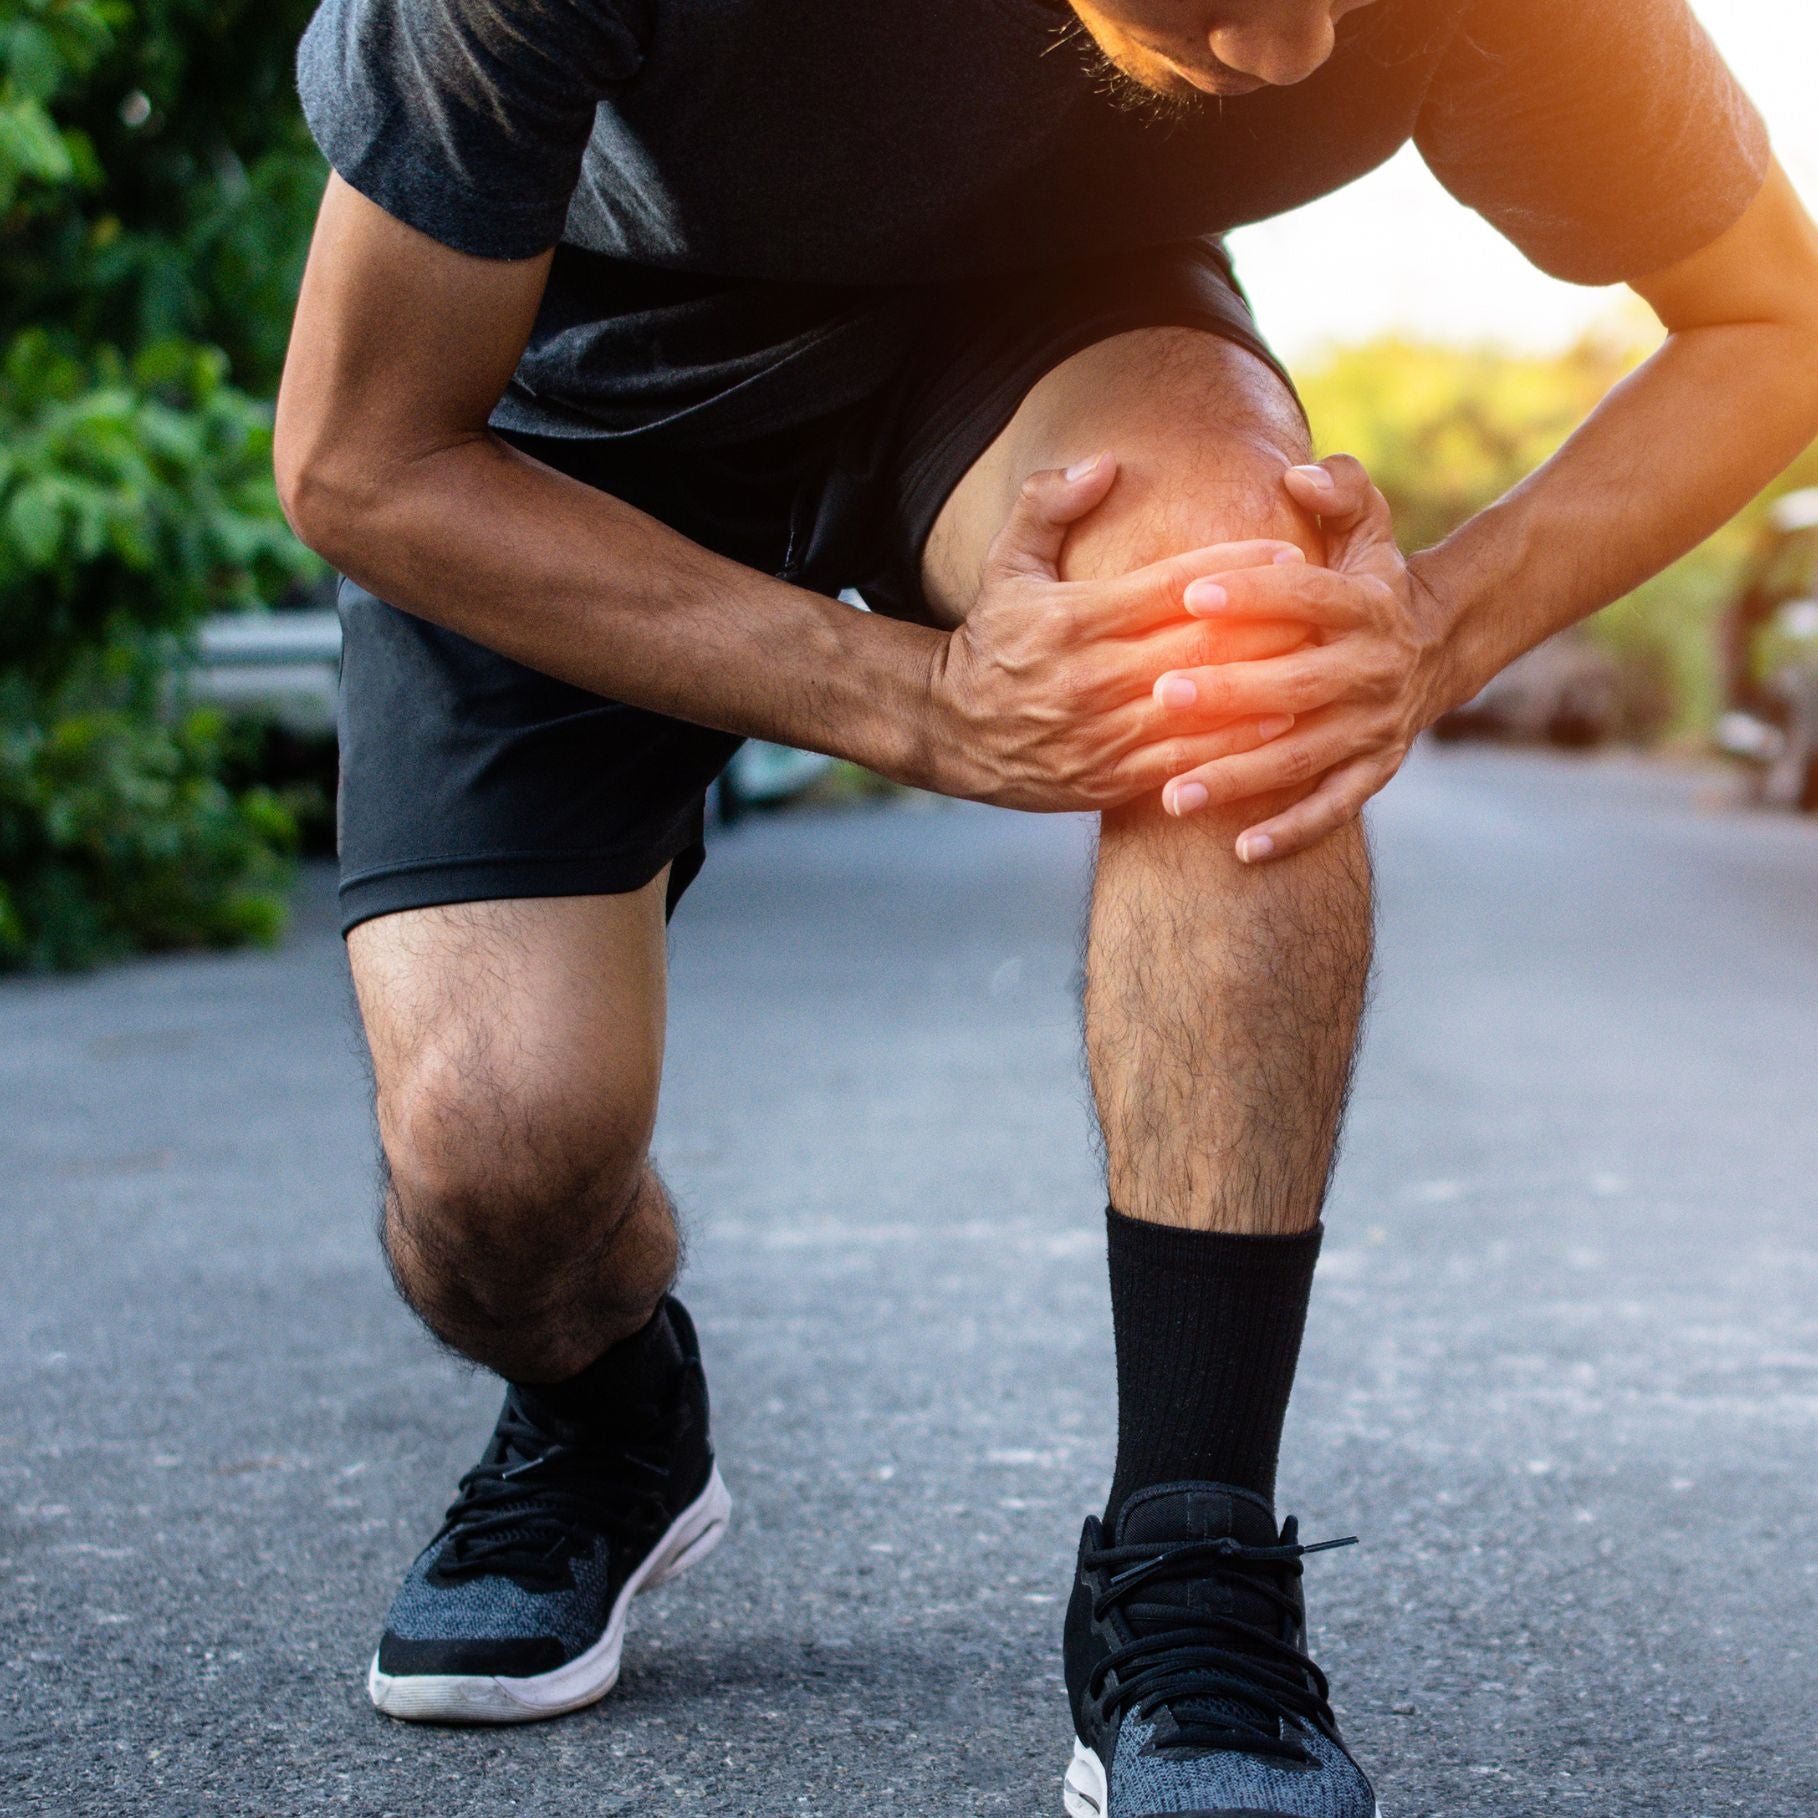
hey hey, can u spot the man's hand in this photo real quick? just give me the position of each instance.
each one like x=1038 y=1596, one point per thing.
x=1043 y=698
x=1360 y=694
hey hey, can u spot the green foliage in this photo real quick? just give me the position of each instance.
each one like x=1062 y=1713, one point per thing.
x=163 y=183
x=116 y=831
x=155 y=191
x=1446 y=430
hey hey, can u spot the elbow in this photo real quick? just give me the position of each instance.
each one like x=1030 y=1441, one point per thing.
x=322 y=493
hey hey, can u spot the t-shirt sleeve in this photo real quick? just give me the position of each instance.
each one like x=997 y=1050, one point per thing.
x=466 y=119
x=1605 y=140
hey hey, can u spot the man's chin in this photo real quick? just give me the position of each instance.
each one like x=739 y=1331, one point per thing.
x=1155 y=79
x=1155 y=76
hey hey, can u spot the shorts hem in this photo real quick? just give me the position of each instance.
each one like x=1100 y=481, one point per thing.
x=503 y=877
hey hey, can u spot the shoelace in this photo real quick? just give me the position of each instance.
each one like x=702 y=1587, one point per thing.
x=525 y=1509
x=1228 y=1683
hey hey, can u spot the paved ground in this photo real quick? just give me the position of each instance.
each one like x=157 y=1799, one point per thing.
x=1563 y=1375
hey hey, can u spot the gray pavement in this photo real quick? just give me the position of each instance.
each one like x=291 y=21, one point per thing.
x=1562 y=1375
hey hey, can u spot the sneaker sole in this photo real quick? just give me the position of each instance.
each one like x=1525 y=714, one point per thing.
x=1084 y=1791
x=497 y=1698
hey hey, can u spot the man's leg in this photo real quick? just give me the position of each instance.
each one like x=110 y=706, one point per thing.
x=517 y=1049
x=1222 y=999
x=1222 y=1007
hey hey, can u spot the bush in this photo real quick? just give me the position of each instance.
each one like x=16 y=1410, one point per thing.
x=1445 y=430
x=155 y=189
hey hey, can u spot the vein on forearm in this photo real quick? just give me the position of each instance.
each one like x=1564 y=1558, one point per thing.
x=481 y=538
x=1670 y=455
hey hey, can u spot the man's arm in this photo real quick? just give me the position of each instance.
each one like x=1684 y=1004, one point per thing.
x=1673 y=452
x=401 y=350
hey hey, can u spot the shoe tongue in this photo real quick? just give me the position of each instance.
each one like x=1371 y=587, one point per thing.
x=1196 y=1511
x=1199 y=1511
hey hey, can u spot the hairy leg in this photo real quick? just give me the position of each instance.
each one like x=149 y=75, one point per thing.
x=517 y=1049
x=1222 y=1000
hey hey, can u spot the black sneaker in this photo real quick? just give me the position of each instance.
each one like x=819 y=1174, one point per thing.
x=516 y=1610
x=1191 y=1690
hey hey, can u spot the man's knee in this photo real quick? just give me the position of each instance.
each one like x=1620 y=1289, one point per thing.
x=1179 y=491
x=502 y=1190
x=1203 y=432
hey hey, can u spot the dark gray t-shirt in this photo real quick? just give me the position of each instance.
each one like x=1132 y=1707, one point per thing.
x=750 y=200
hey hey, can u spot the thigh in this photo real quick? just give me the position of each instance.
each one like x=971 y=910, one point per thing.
x=515 y=1028
x=1202 y=429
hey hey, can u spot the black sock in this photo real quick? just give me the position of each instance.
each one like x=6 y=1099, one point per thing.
x=1208 y=1328
x=617 y=1383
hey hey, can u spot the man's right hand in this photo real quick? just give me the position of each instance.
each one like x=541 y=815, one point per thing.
x=1044 y=697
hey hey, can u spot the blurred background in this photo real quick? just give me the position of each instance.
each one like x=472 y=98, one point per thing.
x=1562 y=1374
x=166 y=650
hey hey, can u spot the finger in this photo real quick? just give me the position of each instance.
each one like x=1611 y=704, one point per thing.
x=1153 y=595
x=1314 y=676
x=1338 y=800
x=1209 y=645
x=1338 y=491
x=1046 y=503
x=1286 y=763
x=1150 y=755
x=1317 y=596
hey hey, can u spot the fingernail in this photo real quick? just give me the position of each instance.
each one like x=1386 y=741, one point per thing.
x=1080 y=469
x=1176 y=691
x=1291 y=555
x=1254 y=846
x=1204 y=596
x=1274 y=726
x=1187 y=797
x=1316 y=476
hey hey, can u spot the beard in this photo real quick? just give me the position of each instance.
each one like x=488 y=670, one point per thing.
x=1135 y=81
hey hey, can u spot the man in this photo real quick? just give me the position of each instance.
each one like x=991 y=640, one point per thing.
x=633 y=331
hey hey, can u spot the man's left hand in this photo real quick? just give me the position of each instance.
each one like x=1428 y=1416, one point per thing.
x=1360 y=693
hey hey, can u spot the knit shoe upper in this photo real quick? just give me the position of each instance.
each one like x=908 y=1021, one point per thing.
x=1191 y=1689
x=525 y=1583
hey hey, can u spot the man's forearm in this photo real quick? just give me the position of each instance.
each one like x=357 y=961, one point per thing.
x=1670 y=455
x=482 y=539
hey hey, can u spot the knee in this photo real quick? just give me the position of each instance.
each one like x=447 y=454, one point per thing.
x=1202 y=433
x=1139 y=840
x=499 y=1187
x=1182 y=491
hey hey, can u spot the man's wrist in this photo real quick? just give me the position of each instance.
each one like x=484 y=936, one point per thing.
x=883 y=712
x=1448 y=680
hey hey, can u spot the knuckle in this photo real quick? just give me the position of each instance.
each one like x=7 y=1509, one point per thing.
x=1073 y=692
x=1298 y=764
x=1304 y=691
x=1174 y=757
x=1206 y=649
x=1215 y=694
x=1065 y=619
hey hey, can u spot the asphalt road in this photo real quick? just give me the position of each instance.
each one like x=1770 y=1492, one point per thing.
x=1562 y=1375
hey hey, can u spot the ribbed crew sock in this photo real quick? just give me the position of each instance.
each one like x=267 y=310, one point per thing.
x=623 y=1378
x=1208 y=1327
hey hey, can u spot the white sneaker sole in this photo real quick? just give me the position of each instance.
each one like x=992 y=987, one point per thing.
x=496 y=1698
x=1084 y=1790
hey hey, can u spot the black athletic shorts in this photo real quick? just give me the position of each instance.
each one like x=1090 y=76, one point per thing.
x=466 y=776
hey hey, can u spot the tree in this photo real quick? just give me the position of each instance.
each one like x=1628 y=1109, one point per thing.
x=155 y=190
